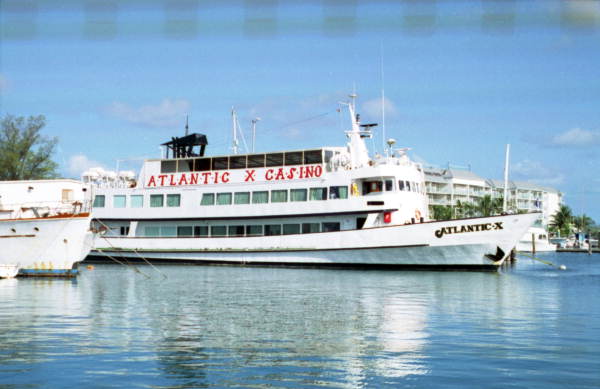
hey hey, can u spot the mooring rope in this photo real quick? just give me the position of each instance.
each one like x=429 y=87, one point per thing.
x=560 y=267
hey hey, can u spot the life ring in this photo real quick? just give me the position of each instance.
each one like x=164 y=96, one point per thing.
x=417 y=215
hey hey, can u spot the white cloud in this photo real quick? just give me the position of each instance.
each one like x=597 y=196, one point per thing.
x=535 y=171
x=79 y=163
x=372 y=108
x=168 y=113
x=577 y=137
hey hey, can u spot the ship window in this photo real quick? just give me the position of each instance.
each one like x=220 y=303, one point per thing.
x=156 y=201
x=338 y=192
x=318 y=193
x=208 y=199
x=136 y=201
x=275 y=159
x=313 y=156
x=218 y=231
x=401 y=185
x=408 y=186
x=289 y=229
x=99 y=201
x=202 y=164
x=173 y=200
x=260 y=197
x=185 y=231
x=152 y=231
x=308 y=228
x=279 y=196
x=330 y=226
x=389 y=185
x=220 y=163
x=67 y=195
x=168 y=231
x=257 y=160
x=124 y=230
x=236 y=230
x=372 y=186
x=297 y=194
x=119 y=201
x=328 y=155
x=168 y=166
x=237 y=162
x=200 y=231
x=223 y=198
x=254 y=230
x=293 y=158
x=185 y=165
x=241 y=198
x=273 y=229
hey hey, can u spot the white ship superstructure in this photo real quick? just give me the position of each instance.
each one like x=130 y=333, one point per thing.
x=44 y=226
x=331 y=206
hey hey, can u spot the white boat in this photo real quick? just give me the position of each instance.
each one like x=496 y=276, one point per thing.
x=45 y=226
x=8 y=270
x=535 y=239
x=331 y=206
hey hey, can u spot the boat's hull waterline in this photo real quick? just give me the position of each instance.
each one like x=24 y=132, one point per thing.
x=476 y=244
x=46 y=246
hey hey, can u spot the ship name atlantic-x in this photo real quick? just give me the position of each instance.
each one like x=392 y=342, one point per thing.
x=468 y=228
x=235 y=176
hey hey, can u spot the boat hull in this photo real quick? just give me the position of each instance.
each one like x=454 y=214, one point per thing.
x=46 y=246
x=478 y=243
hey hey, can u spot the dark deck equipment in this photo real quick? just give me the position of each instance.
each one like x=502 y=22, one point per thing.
x=184 y=147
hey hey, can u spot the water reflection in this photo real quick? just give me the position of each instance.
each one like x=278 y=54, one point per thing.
x=211 y=326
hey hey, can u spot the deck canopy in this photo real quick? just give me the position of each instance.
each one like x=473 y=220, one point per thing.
x=184 y=147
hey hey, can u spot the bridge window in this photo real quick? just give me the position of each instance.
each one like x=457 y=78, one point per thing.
x=223 y=198
x=275 y=159
x=257 y=160
x=313 y=156
x=202 y=164
x=119 y=201
x=237 y=162
x=156 y=201
x=208 y=199
x=99 y=201
x=173 y=200
x=241 y=198
x=279 y=196
x=220 y=163
x=293 y=158
x=372 y=186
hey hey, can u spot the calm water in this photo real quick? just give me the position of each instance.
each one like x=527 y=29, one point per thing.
x=531 y=326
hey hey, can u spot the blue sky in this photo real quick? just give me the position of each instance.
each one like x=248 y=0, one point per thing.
x=462 y=79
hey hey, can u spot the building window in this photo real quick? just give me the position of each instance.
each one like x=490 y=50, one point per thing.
x=318 y=193
x=99 y=201
x=223 y=198
x=236 y=230
x=185 y=231
x=338 y=192
x=119 y=201
x=289 y=229
x=260 y=197
x=156 y=201
x=241 y=198
x=218 y=231
x=297 y=194
x=273 y=229
x=279 y=196
x=136 y=201
x=173 y=200
x=200 y=231
x=254 y=230
x=208 y=199
x=330 y=226
x=308 y=228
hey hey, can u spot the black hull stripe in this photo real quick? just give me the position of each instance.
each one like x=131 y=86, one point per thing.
x=93 y=258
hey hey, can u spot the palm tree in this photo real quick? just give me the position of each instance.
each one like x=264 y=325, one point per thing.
x=583 y=223
x=561 y=220
x=488 y=206
x=442 y=212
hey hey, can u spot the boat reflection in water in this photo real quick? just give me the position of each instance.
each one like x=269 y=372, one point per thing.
x=228 y=326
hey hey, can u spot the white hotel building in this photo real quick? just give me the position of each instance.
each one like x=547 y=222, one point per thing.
x=448 y=186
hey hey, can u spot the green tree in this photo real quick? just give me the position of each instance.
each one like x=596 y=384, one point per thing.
x=562 y=220
x=583 y=223
x=25 y=154
x=488 y=206
x=442 y=212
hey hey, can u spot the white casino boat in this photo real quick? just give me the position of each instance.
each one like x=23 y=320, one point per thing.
x=333 y=206
x=44 y=227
